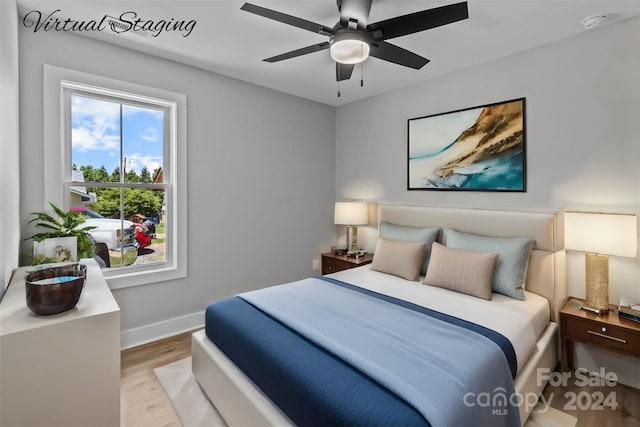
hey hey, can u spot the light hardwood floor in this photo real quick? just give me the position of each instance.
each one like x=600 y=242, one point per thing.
x=146 y=404
x=626 y=401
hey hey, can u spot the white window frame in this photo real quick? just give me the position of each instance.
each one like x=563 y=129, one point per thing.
x=58 y=84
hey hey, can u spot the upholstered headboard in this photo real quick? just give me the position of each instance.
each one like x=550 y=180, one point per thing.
x=546 y=272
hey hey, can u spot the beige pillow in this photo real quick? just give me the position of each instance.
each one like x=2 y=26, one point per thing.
x=461 y=271
x=398 y=258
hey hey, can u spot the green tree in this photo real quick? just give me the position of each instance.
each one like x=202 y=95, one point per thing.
x=101 y=174
x=141 y=200
x=115 y=175
x=88 y=173
x=136 y=200
x=144 y=175
x=108 y=203
x=131 y=176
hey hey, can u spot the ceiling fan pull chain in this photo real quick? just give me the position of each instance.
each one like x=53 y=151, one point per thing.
x=361 y=68
x=338 y=88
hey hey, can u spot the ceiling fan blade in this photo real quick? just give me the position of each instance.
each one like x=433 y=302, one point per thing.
x=287 y=19
x=354 y=10
x=343 y=71
x=299 y=52
x=418 y=21
x=397 y=55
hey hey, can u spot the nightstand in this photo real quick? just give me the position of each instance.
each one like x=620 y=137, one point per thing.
x=333 y=263
x=606 y=331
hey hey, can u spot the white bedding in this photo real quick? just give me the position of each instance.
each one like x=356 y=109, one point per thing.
x=521 y=322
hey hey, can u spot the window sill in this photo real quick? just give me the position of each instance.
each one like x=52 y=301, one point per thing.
x=127 y=278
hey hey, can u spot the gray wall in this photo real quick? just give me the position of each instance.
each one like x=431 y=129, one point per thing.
x=582 y=111
x=583 y=144
x=260 y=178
x=9 y=144
x=583 y=100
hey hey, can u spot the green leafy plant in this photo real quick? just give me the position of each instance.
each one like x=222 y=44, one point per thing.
x=64 y=224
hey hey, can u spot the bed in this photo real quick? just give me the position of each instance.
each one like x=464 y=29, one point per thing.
x=528 y=340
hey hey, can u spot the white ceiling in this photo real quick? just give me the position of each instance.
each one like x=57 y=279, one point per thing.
x=232 y=42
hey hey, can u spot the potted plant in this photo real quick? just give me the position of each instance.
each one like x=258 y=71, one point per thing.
x=76 y=242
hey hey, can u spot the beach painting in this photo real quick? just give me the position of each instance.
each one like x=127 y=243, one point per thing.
x=474 y=149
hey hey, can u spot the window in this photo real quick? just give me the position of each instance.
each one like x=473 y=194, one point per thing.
x=120 y=145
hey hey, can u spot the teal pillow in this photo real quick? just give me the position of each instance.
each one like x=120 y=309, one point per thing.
x=513 y=258
x=412 y=234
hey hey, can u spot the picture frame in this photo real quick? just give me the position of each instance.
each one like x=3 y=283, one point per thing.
x=479 y=148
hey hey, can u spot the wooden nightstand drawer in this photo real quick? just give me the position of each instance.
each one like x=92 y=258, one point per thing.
x=610 y=336
x=333 y=263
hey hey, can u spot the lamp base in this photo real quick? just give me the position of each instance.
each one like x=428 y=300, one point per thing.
x=597 y=278
x=352 y=240
x=591 y=309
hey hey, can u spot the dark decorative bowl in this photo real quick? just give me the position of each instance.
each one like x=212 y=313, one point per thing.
x=55 y=290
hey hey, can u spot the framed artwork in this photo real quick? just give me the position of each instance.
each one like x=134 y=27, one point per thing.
x=474 y=149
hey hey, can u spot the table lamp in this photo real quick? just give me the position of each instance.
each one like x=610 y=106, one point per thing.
x=351 y=214
x=600 y=235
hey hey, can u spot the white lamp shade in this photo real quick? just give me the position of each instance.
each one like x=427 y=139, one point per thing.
x=351 y=213
x=600 y=233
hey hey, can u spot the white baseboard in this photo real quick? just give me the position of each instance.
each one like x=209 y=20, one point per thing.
x=155 y=331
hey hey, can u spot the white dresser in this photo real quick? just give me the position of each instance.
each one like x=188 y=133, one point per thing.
x=62 y=369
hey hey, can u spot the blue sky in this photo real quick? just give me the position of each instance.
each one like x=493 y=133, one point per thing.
x=95 y=135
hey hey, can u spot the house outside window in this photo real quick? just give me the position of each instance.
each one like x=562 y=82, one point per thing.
x=122 y=147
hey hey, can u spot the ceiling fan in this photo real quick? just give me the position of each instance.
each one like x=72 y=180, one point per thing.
x=352 y=39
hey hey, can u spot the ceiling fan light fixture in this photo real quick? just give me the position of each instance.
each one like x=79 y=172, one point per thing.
x=349 y=47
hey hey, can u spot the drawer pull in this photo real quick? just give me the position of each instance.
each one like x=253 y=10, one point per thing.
x=607 y=336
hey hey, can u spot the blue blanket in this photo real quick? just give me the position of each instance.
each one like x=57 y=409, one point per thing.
x=311 y=386
x=421 y=358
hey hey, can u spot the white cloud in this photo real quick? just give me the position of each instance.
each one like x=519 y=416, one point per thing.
x=85 y=139
x=95 y=124
x=149 y=135
x=130 y=110
x=137 y=161
x=104 y=113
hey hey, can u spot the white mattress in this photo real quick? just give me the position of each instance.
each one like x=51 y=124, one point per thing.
x=521 y=322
